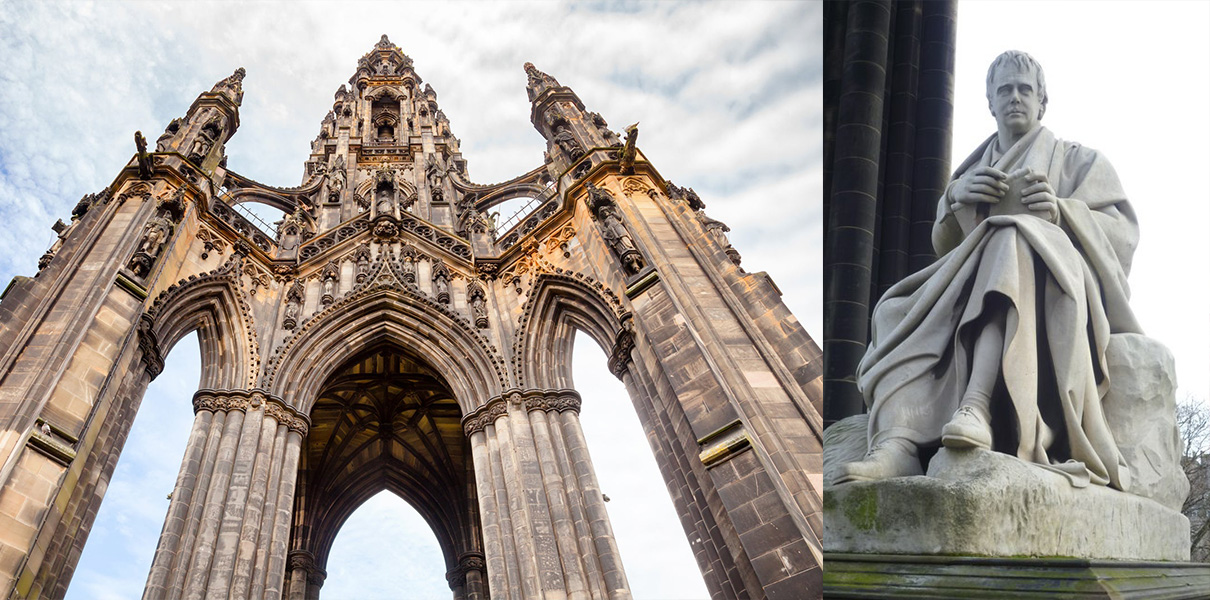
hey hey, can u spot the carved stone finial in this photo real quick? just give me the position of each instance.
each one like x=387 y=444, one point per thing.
x=384 y=42
x=233 y=86
x=538 y=81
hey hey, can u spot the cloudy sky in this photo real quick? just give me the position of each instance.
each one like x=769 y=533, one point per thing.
x=728 y=96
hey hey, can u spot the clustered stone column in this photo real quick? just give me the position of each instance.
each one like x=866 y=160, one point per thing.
x=466 y=580
x=545 y=528
x=306 y=577
x=228 y=524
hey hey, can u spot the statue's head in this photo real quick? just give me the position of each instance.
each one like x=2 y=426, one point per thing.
x=1016 y=91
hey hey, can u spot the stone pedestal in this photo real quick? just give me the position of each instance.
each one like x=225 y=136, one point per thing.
x=876 y=577
x=982 y=503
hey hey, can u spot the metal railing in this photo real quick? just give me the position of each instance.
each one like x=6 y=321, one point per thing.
x=525 y=210
x=265 y=228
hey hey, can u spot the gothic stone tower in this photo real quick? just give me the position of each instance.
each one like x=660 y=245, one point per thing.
x=390 y=335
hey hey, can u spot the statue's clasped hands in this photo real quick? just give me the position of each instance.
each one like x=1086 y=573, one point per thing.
x=987 y=185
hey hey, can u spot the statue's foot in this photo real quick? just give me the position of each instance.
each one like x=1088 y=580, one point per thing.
x=968 y=429
x=894 y=457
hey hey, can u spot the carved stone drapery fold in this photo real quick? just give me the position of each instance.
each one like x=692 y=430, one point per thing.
x=545 y=400
x=243 y=400
x=604 y=210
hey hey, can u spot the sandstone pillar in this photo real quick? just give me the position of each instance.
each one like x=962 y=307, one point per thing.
x=227 y=526
x=545 y=528
x=467 y=579
x=306 y=577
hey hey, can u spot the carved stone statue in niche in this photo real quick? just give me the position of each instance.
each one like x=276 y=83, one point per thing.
x=336 y=179
x=408 y=255
x=205 y=140
x=294 y=299
x=361 y=257
x=598 y=121
x=330 y=275
x=478 y=300
x=384 y=191
x=567 y=143
x=441 y=281
x=433 y=171
x=155 y=233
x=605 y=212
x=384 y=198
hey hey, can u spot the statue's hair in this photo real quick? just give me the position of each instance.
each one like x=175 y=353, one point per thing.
x=1022 y=61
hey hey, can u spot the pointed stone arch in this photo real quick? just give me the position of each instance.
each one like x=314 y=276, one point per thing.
x=385 y=310
x=386 y=421
x=559 y=304
x=213 y=305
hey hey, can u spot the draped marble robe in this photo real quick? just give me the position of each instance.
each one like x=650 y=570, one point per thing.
x=1060 y=291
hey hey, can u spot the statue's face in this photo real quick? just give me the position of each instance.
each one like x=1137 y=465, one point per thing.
x=1015 y=99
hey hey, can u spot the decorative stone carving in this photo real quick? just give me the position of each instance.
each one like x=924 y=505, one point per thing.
x=210 y=242
x=567 y=143
x=336 y=179
x=441 y=281
x=408 y=255
x=156 y=232
x=686 y=195
x=245 y=400
x=232 y=86
x=718 y=231
x=329 y=277
x=384 y=191
x=361 y=258
x=598 y=121
x=386 y=230
x=478 y=301
x=604 y=210
x=144 y=159
x=205 y=140
x=629 y=152
x=162 y=143
x=538 y=81
x=257 y=277
x=153 y=361
x=619 y=357
x=294 y=300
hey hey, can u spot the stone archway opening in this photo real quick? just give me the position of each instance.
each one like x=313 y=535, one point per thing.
x=643 y=516
x=385 y=420
x=367 y=559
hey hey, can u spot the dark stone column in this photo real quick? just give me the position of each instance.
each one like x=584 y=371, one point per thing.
x=888 y=88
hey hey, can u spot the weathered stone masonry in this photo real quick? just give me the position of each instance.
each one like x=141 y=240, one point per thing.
x=391 y=335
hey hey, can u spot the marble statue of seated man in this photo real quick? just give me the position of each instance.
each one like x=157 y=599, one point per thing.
x=1001 y=343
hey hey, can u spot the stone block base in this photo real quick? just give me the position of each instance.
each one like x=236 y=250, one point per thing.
x=875 y=576
x=982 y=503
